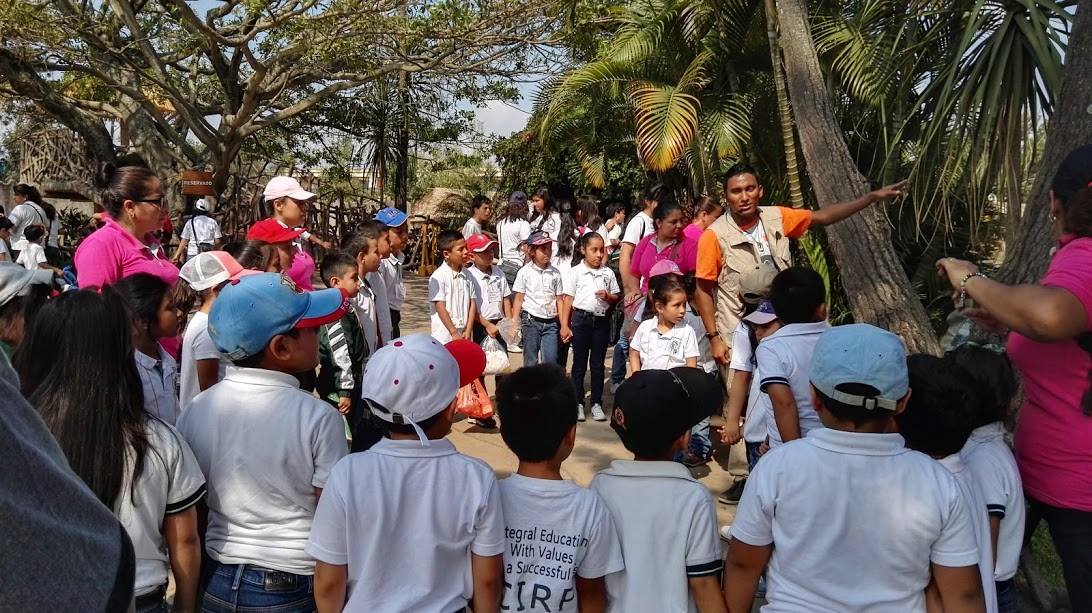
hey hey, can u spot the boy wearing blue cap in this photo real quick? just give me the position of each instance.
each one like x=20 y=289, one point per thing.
x=848 y=518
x=265 y=446
x=391 y=267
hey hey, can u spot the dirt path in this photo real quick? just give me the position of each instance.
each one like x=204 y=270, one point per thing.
x=596 y=443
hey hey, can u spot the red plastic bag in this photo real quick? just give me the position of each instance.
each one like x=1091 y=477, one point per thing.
x=473 y=401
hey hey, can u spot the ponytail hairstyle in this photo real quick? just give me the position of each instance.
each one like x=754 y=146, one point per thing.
x=590 y=211
x=255 y=255
x=543 y=192
x=127 y=179
x=76 y=367
x=566 y=234
x=1072 y=188
x=29 y=192
x=658 y=193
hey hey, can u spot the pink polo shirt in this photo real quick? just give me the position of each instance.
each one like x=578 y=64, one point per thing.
x=645 y=256
x=1053 y=441
x=693 y=232
x=111 y=254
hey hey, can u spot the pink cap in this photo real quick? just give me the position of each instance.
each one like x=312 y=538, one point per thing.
x=280 y=187
x=665 y=267
x=212 y=268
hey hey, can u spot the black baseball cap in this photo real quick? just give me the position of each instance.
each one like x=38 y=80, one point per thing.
x=654 y=407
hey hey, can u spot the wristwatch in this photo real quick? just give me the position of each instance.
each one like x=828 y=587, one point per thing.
x=712 y=335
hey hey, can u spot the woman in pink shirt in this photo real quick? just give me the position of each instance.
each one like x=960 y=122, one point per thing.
x=290 y=203
x=134 y=205
x=1051 y=345
x=706 y=211
x=666 y=243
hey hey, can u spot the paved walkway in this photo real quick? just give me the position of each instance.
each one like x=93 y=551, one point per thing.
x=596 y=442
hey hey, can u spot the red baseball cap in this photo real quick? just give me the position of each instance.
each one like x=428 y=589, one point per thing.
x=272 y=231
x=479 y=242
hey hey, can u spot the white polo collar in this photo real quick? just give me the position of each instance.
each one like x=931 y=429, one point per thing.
x=954 y=463
x=414 y=449
x=857 y=443
x=540 y=271
x=787 y=330
x=261 y=376
x=147 y=361
x=635 y=468
x=989 y=432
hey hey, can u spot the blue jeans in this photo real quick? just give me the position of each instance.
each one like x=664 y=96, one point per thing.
x=233 y=587
x=752 y=454
x=590 y=336
x=1006 y=596
x=539 y=335
x=700 y=443
x=621 y=359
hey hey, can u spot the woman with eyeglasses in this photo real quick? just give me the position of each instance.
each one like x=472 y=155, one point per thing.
x=133 y=200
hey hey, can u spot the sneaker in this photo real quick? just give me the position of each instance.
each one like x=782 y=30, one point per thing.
x=732 y=494
x=488 y=424
x=726 y=533
x=580 y=413
x=515 y=349
x=597 y=413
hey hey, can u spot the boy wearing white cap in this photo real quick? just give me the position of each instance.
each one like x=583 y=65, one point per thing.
x=848 y=518
x=411 y=524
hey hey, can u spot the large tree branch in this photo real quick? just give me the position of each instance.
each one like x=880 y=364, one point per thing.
x=27 y=82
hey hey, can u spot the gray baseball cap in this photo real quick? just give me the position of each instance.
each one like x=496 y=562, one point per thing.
x=17 y=281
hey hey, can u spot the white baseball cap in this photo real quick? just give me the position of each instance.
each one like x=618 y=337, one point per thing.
x=415 y=377
x=281 y=187
x=201 y=205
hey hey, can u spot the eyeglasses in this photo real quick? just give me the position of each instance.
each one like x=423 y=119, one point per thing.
x=158 y=203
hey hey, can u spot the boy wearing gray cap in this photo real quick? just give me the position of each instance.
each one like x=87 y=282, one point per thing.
x=847 y=518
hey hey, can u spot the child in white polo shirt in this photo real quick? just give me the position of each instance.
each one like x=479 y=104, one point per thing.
x=784 y=358
x=848 y=518
x=391 y=268
x=664 y=341
x=590 y=290
x=155 y=317
x=992 y=463
x=561 y=540
x=411 y=524
x=937 y=422
x=538 y=301
x=667 y=521
x=264 y=445
x=450 y=296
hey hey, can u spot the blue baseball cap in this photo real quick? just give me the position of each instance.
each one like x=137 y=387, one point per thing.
x=250 y=312
x=763 y=314
x=391 y=217
x=864 y=354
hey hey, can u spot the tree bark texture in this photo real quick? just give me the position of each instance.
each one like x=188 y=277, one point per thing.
x=878 y=289
x=1027 y=256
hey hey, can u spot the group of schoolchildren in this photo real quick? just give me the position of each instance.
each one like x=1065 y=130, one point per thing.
x=848 y=517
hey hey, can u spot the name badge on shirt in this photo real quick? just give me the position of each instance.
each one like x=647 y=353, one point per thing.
x=493 y=290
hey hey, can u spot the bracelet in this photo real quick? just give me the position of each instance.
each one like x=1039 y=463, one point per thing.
x=963 y=287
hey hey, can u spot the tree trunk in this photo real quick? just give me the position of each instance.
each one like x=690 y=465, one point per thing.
x=877 y=288
x=784 y=107
x=401 y=172
x=1027 y=256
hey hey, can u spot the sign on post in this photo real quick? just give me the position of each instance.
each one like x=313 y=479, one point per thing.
x=197 y=183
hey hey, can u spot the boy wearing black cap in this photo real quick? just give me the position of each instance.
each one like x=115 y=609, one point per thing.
x=848 y=518
x=561 y=540
x=666 y=520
